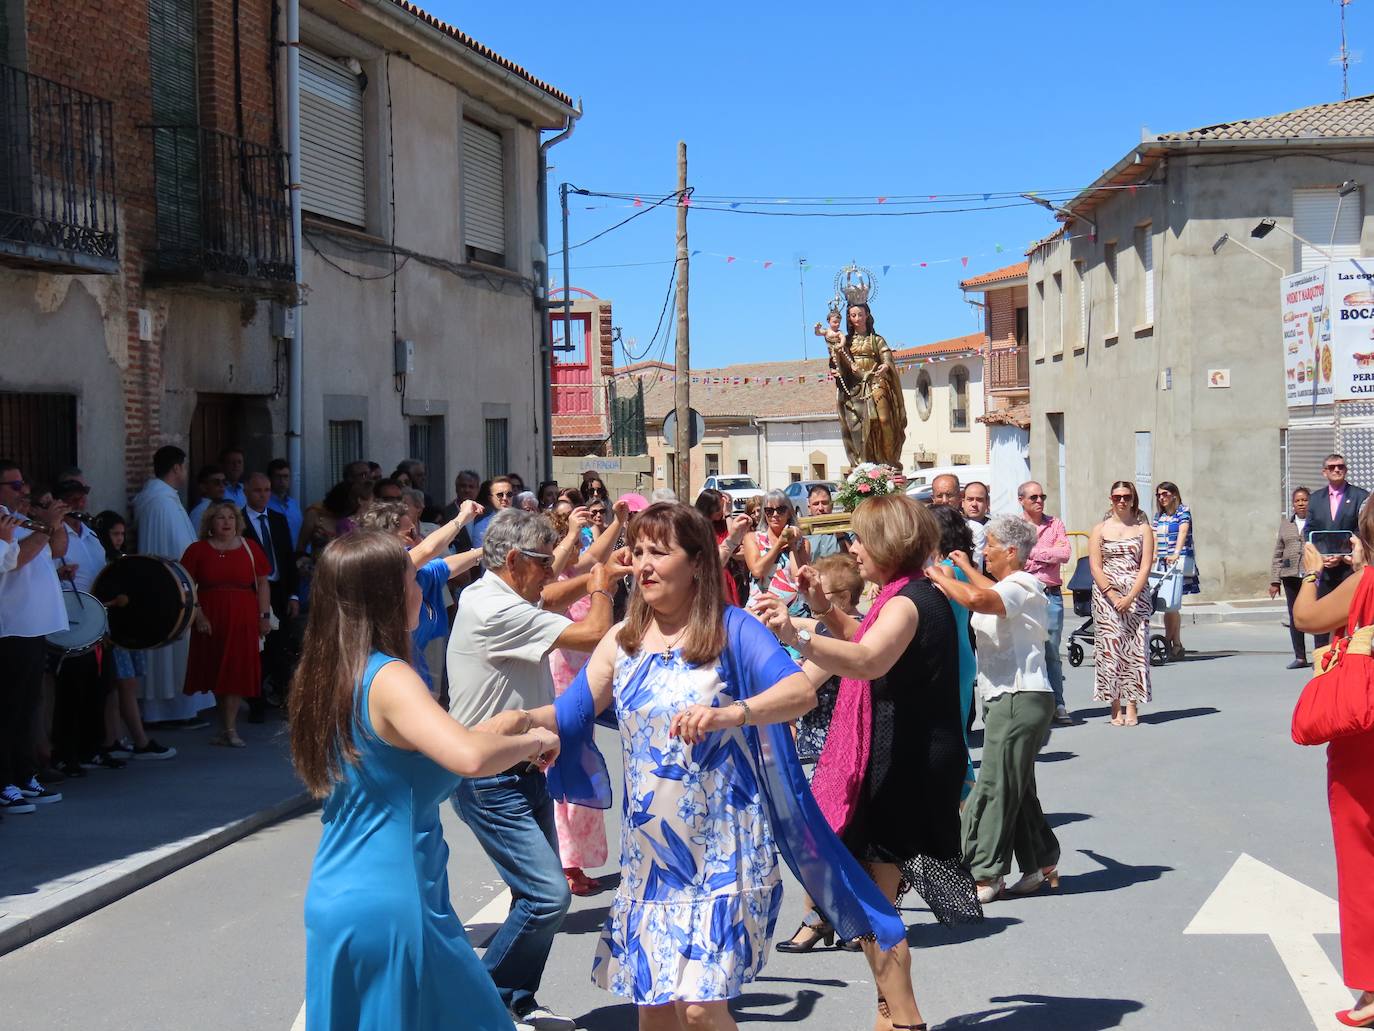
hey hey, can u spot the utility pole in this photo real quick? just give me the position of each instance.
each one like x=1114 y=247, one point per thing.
x=1345 y=54
x=682 y=355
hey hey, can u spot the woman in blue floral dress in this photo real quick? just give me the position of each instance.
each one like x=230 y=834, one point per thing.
x=692 y=683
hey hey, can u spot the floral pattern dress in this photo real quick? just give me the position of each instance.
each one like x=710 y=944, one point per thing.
x=700 y=887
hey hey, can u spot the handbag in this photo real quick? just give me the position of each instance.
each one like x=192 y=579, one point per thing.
x=1166 y=581
x=273 y=622
x=1339 y=699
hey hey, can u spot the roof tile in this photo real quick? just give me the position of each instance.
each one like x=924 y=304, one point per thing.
x=996 y=276
x=954 y=345
x=1344 y=118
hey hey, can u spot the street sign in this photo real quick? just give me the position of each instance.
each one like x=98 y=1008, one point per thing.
x=694 y=435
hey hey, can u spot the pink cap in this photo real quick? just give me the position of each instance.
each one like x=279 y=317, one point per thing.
x=637 y=502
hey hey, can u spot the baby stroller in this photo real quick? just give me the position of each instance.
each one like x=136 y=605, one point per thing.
x=1081 y=587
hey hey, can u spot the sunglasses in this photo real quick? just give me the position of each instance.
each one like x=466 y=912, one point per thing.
x=1036 y=497
x=771 y=510
x=14 y=484
x=503 y=494
x=1121 y=497
x=542 y=557
x=1334 y=468
x=596 y=511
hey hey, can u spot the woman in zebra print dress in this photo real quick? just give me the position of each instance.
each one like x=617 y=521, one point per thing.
x=1119 y=553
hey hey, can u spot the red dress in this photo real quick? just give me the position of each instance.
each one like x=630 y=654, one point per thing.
x=226 y=660
x=1350 y=793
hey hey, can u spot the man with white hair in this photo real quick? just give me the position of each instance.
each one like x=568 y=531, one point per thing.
x=498 y=662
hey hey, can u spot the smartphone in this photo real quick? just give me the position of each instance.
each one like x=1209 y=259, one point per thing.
x=1332 y=542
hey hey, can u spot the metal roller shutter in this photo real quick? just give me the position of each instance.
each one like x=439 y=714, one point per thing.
x=484 y=191
x=1309 y=441
x=1356 y=435
x=1314 y=215
x=333 y=172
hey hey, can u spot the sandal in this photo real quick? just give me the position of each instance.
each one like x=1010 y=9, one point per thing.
x=234 y=741
x=221 y=739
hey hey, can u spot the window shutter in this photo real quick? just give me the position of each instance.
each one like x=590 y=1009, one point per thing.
x=1147 y=265
x=1081 y=267
x=176 y=143
x=1110 y=261
x=495 y=451
x=333 y=172
x=1314 y=213
x=484 y=192
x=1309 y=440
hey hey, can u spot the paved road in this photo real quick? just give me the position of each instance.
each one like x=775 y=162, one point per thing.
x=1151 y=819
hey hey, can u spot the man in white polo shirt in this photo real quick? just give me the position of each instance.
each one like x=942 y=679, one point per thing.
x=498 y=661
x=30 y=608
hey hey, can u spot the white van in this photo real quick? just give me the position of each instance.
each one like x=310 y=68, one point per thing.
x=966 y=473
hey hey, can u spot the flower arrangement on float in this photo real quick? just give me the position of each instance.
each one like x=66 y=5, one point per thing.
x=868 y=480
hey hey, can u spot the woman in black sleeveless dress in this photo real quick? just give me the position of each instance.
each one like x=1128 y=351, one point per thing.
x=890 y=778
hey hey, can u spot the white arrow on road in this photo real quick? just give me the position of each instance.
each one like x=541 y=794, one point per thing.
x=1256 y=899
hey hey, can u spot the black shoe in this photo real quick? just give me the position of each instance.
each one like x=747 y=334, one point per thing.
x=853 y=945
x=808 y=936
x=103 y=761
x=71 y=768
x=1298 y=664
x=153 y=750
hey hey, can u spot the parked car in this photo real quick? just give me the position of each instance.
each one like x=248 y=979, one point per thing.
x=798 y=492
x=740 y=488
x=920 y=480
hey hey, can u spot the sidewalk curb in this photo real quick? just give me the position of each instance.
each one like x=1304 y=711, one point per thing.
x=127 y=876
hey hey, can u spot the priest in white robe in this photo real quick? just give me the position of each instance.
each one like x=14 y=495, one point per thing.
x=164 y=529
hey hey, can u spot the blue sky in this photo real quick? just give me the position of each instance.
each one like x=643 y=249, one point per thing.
x=896 y=100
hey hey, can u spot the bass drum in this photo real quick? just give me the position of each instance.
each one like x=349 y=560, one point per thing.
x=162 y=600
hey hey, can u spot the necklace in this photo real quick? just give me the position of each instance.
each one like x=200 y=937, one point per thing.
x=670 y=646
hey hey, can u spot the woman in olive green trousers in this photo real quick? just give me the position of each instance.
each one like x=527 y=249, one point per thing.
x=1002 y=816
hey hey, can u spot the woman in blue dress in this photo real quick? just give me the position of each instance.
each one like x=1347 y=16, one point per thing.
x=384 y=948
x=1173 y=526
x=711 y=793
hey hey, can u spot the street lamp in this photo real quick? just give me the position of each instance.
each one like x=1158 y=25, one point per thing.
x=1225 y=238
x=1055 y=209
x=1268 y=225
x=1342 y=192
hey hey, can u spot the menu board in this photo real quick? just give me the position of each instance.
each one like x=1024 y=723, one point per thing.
x=1308 y=362
x=1350 y=290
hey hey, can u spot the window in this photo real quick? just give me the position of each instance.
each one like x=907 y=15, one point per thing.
x=1058 y=313
x=39 y=432
x=1113 y=287
x=743 y=469
x=1145 y=247
x=958 y=398
x=1080 y=267
x=1330 y=221
x=712 y=464
x=426 y=438
x=333 y=172
x=484 y=195
x=818 y=470
x=923 y=394
x=1040 y=300
x=796 y=475
x=496 y=455
x=345 y=445
x=176 y=155
x=1022 y=326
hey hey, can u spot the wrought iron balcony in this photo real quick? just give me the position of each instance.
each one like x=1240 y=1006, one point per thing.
x=57 y=177
x=1009 y=370
x=223 y=214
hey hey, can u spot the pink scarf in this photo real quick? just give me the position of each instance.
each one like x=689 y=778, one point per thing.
x=844 y=759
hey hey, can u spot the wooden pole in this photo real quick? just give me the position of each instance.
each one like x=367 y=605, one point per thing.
x=682 y=356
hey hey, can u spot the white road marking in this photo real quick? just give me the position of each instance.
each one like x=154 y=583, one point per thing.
x=480 y=927
x=1256 y=899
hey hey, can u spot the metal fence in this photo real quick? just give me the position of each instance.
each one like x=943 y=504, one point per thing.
x=57 y=175
x=222 y=205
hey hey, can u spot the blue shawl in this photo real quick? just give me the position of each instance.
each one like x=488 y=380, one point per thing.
x=752 y=662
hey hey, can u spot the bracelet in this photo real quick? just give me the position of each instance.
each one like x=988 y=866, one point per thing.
x=1310 y=578
x=745 y=706
x=829 y=609
x=601 y=590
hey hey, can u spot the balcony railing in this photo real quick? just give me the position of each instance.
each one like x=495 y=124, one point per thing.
x=1009 y=369
x=57 y=176
x=223 y=214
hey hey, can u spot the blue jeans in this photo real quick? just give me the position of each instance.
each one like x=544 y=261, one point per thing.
x=511 y=816
x=1054 y=665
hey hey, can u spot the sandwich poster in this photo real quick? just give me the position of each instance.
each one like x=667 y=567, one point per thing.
x=1350 y=290
x=1309 y=367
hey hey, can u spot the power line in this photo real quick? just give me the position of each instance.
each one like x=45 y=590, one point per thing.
x=624 y=221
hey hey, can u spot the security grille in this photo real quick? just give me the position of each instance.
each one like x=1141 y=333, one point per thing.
x=39 y=432
x=345 y=445
x=496 y=454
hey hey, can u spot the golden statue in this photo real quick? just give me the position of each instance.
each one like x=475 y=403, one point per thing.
x=869 y=390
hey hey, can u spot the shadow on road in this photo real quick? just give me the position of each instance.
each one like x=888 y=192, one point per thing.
x=929 y=934
x=1178 y=714
x=1113 y=876
x=1224 y=653
x=1057 y=820
x=1047 y=1013
x=585 y=921
x=1055 y=757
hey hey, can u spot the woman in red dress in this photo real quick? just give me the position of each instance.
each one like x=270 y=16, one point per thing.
x=1349 y=773
x=233 y=615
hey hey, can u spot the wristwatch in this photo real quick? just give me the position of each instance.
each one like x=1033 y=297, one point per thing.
x=803 y=639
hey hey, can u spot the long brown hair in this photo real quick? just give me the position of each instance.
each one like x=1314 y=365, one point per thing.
x=1135 y=496
x=673 y=523
x=357 y=607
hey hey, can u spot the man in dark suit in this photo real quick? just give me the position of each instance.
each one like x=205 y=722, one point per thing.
x=1335 y=507
x=271 y=531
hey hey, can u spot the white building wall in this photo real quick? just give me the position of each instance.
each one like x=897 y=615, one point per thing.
x=931 y=439
x=793 y=449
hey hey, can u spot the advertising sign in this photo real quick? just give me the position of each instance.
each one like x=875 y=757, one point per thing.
x=1350 y=291
x=1308 y=362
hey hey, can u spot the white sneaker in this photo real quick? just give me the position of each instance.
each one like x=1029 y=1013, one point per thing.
x=12 y=800
x=541 y=1018
x=38 y=794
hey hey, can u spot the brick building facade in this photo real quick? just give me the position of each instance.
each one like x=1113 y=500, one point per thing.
x=582 y=375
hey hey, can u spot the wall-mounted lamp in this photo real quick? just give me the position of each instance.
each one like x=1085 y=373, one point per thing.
x=1225 y=238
